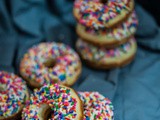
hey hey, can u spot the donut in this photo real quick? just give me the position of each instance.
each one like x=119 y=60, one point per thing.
x=111 y=37
x=53 y=101
x=99 y=14
x=96 y=106
x=50 y=62
x=13 y=95
x=102 y=58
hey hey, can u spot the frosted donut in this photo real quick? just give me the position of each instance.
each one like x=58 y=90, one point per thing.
x=96 y=106
x=13 y=95
x=111 y=37
x=57 y=101
x=50 y=62
x=102 y=58
x=102 y=13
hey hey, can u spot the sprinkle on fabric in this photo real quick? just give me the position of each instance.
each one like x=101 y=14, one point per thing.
x=62 y=104
x=12 y=93
x=96 y=106
x=66 y=62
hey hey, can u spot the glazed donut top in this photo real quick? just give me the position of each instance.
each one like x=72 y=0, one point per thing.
x=100 y=53
x=94 y=13
x=12 y=93
x=96 y=106
x=62 y=104
x=119 y=32
x=66 y=62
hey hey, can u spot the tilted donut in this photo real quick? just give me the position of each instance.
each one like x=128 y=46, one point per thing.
x=98 y=14
x=61 y=102
x=13 y=95
x=96 y=106
x=50 y=62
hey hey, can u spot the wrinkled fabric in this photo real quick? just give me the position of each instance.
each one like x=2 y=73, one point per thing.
x=133 y=89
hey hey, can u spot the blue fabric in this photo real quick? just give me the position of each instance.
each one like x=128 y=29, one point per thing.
x=134 y=89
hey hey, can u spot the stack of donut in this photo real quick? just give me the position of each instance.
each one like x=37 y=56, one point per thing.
x=106 y=31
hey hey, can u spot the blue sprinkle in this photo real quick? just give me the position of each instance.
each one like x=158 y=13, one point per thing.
x=54 y=73
x=1 y=113
x=87 y=118
x=62 y=77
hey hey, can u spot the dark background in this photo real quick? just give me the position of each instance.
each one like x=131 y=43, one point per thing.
x=134 y=89
x=152 y=6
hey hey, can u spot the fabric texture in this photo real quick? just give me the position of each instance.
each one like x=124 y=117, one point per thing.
x=133 y=89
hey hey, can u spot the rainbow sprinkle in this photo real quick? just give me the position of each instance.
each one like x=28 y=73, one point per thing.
x=12 y=93
x=95 y=14
x=62 y=104
x=124 y=30
x=91 y=52
x=33 y=68
x=96 y=106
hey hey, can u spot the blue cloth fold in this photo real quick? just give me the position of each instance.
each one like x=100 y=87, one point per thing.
x=133 y=89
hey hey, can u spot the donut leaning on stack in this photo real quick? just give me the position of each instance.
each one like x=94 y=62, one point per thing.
x=13 y=95
x=50 y=62
x=106 y=30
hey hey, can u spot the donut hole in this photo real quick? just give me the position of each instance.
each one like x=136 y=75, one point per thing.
x=103 y=1
x=46 y=112
x=50 y=63
x=48 y=115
